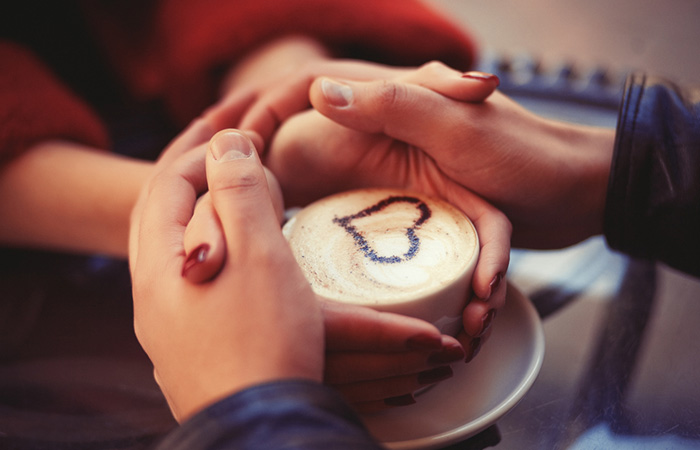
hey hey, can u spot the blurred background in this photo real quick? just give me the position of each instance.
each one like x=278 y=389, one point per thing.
x=660 y=37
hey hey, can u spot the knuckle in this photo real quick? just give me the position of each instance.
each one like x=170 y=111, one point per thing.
x=391 y=95
x=255 y=253
x=156 y=180
x=433 y=67
x=242 y=179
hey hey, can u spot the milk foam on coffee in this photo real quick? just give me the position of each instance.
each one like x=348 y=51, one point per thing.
x=374 y=247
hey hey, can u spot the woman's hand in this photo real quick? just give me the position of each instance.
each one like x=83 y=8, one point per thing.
x=377 y=360
x=258 y=320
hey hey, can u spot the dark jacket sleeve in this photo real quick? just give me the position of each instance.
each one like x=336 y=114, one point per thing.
x=653 y=200
x=279 y=415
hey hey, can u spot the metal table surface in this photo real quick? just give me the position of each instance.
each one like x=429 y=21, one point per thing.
x=621 y=359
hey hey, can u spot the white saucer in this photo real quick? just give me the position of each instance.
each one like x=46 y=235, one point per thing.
x=479 y=393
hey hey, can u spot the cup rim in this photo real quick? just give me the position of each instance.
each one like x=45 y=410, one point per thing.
x=410 y=297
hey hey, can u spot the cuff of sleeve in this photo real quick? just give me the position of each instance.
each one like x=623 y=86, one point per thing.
x=652 y=200
x=284 y=414
x=619 y=207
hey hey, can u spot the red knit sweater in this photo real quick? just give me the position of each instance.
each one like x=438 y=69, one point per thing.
x=175 y=49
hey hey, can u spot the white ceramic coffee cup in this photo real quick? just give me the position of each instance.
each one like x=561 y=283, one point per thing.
x=388 y=249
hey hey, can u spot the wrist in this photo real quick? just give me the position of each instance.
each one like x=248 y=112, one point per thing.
x=591 y=150
x=65 y=196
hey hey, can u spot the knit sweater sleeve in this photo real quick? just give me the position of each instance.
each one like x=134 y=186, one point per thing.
x=188 y=44
x=34 y=106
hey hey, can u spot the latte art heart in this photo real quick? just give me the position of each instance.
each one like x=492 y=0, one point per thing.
x=367 y=248
x=377 y=247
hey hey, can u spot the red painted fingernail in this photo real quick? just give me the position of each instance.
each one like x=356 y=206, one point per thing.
x=493 y=285
x=474 y=348
x=496 y=281
x=401 y=400
x=424 y=342
x=435 y=375
x=482 y=76
x=196 y=257
x=447 y=355
x=486 y=321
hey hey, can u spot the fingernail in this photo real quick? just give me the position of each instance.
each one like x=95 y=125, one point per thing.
x=496 y=281
x=486 y=321
x=424 y=342
x=196 y=257
x=493 y=285
x=229 y=145
x=337 y=94
x=435 y=375
x=448 y=355
x=401 y=400
x=474 y=348
x=482 y=76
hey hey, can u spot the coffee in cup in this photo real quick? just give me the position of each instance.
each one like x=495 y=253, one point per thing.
x=388 y=249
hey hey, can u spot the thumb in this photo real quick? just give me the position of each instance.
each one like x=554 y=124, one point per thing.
x=239 y=192
x=404 y=111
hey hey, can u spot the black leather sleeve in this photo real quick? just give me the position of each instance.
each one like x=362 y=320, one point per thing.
x=289 y=415
x=653 y=199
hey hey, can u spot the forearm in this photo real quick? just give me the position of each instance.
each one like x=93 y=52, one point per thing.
x=587 y=164
x=65 y=196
